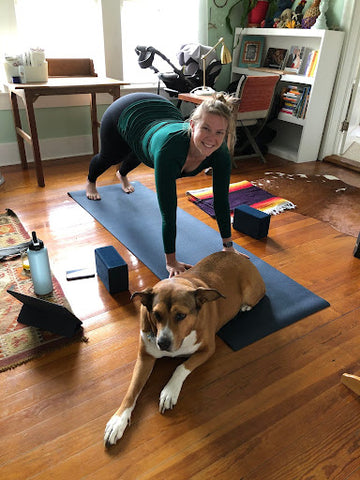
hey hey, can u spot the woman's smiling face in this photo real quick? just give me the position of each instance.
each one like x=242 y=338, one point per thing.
x=208 y=133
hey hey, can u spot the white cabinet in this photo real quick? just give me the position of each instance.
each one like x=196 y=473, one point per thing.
x=298 y=139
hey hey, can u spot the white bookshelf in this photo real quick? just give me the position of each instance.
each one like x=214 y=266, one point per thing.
x=298 y=139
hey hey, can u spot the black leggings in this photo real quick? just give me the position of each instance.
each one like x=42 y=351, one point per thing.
x=114 y=149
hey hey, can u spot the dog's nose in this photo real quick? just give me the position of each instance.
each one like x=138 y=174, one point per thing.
x=164 y=343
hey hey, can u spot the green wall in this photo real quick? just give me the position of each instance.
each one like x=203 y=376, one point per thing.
x=7 y=131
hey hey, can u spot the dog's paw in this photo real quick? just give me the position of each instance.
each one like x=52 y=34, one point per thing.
x=168 y=398
x=170 y=393
x=245 y=308
x=115 y=428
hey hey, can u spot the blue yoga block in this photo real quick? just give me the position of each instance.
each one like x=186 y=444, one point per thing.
x=111 y=269
x=250 y=221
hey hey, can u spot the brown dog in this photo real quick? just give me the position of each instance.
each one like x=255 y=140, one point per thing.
x=180 y=317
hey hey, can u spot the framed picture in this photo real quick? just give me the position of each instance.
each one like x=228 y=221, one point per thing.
x=251 y=51
x=294 y=59
x=275 y=58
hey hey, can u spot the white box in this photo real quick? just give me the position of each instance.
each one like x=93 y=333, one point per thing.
x=30 y=74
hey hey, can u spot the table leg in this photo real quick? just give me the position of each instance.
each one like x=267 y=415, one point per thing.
x=94 y=124
x=115 y=93
x=29 y=106
x=17 y=122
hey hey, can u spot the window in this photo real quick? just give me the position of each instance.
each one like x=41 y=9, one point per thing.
x=160 y=25
x=64 y=28
x=105 y=30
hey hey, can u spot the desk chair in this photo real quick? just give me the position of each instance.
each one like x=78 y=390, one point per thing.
x=256 y=95
x=78 y=67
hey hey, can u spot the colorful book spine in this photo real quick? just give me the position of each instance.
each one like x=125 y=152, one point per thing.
x=311 y=63
x=294 y=100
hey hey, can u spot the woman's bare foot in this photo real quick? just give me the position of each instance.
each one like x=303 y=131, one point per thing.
x=126 y=185
x=91 y=192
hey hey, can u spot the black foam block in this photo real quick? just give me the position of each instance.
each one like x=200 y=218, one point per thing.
x=111 y=269
x=250 y=221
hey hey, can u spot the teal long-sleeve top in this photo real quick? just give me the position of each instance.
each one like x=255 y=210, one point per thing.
x=157 y=134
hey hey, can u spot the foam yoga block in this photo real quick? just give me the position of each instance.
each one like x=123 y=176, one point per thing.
x=250 y=221
x=111 y=269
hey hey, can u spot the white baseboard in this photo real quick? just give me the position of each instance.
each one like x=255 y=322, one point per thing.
x=50 y=148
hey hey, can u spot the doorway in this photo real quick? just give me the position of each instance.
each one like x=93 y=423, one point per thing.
x=350 y=145
x=344 y=109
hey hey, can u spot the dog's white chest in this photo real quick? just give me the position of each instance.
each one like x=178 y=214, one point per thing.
x=188 y=346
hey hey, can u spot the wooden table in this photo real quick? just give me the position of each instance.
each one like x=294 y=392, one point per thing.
x=192 y=98
x=56 y=86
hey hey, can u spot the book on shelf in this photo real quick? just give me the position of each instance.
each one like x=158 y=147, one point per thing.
x=294 y=59
x=309 y=63
x=275 y=58
x=306 y=59
x=294 y=100
x=313 y=63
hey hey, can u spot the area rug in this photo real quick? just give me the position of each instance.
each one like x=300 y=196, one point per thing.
x=135 y=221
x=321 y=196
x=20 y=343
x=241 y=193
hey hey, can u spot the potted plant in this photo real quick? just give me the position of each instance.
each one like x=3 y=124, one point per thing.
x=265 y=7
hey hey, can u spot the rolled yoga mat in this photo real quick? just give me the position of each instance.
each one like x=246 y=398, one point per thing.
x=135 y=220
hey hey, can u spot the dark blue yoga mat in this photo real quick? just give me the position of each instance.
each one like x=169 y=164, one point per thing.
x=134 y=219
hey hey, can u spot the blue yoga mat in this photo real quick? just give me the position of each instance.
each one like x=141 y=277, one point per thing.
x=134 y=219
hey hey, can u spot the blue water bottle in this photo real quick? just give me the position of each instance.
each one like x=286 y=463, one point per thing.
x=39 y=266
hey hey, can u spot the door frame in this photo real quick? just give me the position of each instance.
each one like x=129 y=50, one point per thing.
x=353 y=117
x=347 y=72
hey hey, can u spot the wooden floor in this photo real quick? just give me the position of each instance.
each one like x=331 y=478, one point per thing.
x=275 y=410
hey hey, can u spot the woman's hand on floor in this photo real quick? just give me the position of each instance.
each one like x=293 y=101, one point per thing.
x=176 y=268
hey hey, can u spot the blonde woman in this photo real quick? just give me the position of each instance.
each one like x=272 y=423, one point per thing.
x=144 y=127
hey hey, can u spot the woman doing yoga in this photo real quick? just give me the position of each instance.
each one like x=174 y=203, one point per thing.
x=144 y=127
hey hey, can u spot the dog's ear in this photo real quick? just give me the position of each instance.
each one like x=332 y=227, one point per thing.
x=203 y=295
x=146 y=297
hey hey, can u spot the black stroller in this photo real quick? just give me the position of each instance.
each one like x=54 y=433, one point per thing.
x=190 y=76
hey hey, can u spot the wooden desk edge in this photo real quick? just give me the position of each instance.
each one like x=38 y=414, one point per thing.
x=190 y=97
x=106 y=81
